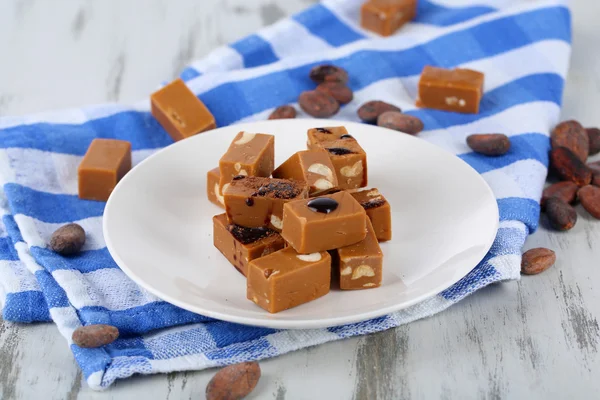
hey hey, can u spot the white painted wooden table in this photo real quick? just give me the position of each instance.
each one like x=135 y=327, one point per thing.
x=537 y=339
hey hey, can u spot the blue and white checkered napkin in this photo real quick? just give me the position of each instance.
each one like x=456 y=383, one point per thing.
x=523 y=48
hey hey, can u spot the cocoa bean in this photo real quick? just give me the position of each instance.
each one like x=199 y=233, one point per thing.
x=400 y=122
x=93 y=336
x=339 y=91
x=489 y=144
x=67 y=239
x=572 y=135
x=537 y=260
x=283 y=112
x=589 y=196
x=594 y=139
x=561 y=215
x=371 y=110
x=569 y=167
x=566 y=191
x=233 y=382
x=318 y=104
x=328 y=73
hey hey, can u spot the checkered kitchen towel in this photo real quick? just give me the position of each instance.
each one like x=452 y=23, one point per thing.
x=523 y=48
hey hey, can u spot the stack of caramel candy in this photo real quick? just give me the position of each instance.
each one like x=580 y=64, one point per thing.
x=289 y=230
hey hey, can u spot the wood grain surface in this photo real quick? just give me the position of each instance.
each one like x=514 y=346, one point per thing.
x=537 y=338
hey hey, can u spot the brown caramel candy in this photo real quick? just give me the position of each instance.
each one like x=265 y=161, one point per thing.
x=347 y=157
x=180 y=112
x=104 y=164
x=378 y=210
x=241 y=245
x=386 y=16
x=323 y=223
x=256 y=202
x=313 y=167
x=459 y=90
x=212 y=187
x=250 y=154
x=286 y=279
x=360 y=265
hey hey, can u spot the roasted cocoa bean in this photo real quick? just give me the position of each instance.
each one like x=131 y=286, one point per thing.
x=489 y=144
x=93 y=336
x=569 y=167
x=400 y=122
x=537 y=260
x=572 y=135
x=589 y=196
x=339 y=91
x=233 y=382
x=561 y=215
x=283 y=112
x=67 y=239
x=318 y=104
x=594 y=139
x=371 y=110
x=566 y=191
x=328 y=73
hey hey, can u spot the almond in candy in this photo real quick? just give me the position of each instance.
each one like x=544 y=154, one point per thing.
x=318 y=104
x=489 y=144
x=92 y=336
x=594 y=139
x=589 y=196
x=339 y=91
x=561 y=215
x=371 y=110
x=572 y=135
x=233 y=382
x=566 y=191
x=283 y=112
x=569 y=167
x=68 y=239
x=537 y=260
x=400 y=122
x=328 y=73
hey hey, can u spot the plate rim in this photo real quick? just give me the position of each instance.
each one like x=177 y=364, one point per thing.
x=275 y=323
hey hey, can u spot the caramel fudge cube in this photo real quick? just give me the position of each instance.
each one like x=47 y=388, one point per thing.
x=104 y=164
x=313 y=167
x=378 y=210
x=213 y=192
x=241 y=245
x=360 y=265
x=286 y=279
x=387 y=16
x=347 y=157
x=250 y=154
x=459 y=90
x=180 y=112
x=255 y=202
x=323 y=223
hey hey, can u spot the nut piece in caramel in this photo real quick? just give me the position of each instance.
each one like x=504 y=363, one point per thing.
x=286 y=279
x=180 y=112
x=256 y=202
x=360 y=265
x=104 y=164
x=323 y=223
x=378 y=210
x=387 y=16
x=249 y=154
x=459 y=90
x=313 y=167
x=241 y=245
x=212 y=187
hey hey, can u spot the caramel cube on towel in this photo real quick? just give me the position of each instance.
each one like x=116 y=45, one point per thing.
x=286 y=279
x=459 y=90
x=241 y=245
x=104 y=164
x=180 y=112
x=378 y=210
x=387 y=16
x=313 y=167
x=213 y=192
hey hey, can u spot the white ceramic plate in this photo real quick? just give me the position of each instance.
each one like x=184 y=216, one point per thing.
x=158 y=226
